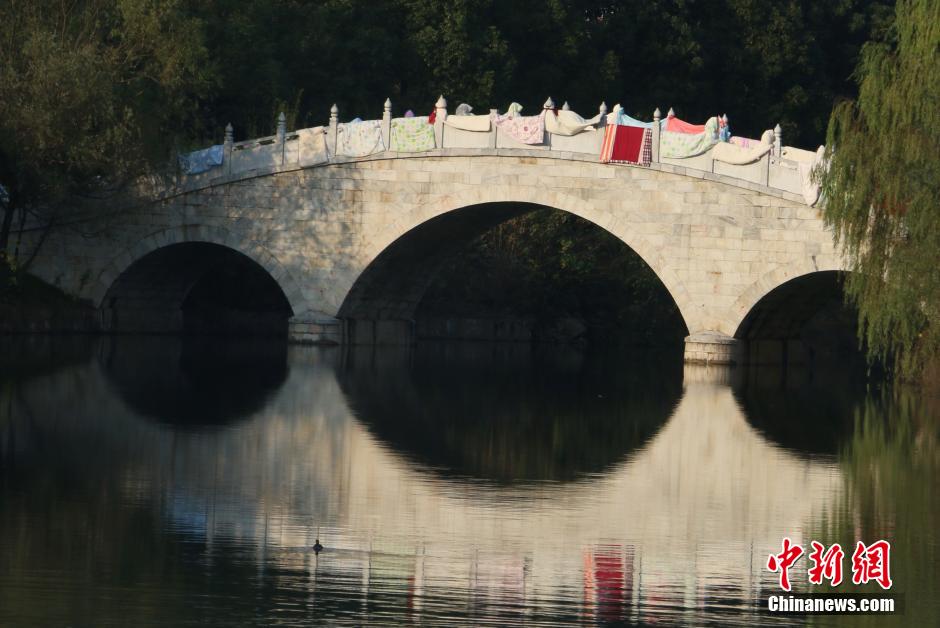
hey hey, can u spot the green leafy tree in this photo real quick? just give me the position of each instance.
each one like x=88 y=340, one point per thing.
x=93 y=94
x=882 y=189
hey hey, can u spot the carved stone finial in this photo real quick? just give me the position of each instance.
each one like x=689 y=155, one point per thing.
x=549 y=104
x=229 y=133
x=388 y=104
x=441 y=103
x=565 y=107
x=281 y=125
x=656 y=115
x=334 y=112
x=602 y=109
x=778 y=141
x=671 y=113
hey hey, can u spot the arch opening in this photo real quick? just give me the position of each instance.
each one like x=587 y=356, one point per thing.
x=804 y=321
x=196 y=288
x=510 y=271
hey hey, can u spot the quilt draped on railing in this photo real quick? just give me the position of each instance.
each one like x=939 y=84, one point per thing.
x=412 y=135
x=563 y=122
x=739 y=155
x=617 y=116
x=524 y=129
x=200 y=161
x=679 y=145
x=675 y=125
x=743 y=142
x=358 y=139
x=627 y=144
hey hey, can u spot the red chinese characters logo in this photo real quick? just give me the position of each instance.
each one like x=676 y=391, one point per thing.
x=869 y=563
x=872 y=562
x=783 y=561
x=826 y=565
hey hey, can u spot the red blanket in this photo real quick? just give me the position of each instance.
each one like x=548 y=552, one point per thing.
x=629 y=144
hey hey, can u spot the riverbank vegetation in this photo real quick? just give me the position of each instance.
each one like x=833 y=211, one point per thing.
x=882 y=190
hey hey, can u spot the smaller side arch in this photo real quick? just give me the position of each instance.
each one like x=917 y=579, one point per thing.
x=802 y=320
x=196 y=234
x=770 y=281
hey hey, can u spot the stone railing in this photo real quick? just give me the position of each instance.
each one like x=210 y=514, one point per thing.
x=253 y=157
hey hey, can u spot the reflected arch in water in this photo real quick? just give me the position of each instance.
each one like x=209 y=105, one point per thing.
x=806 y=411
x=194 y=382
x=492 y=412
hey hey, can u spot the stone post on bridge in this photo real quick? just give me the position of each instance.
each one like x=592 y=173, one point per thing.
x=387 y=123
x=440 y=114
x=778 y=141
x=227 y=148
x=547 y=107
x=332 y=130
x=657 y=130
x=281 y=136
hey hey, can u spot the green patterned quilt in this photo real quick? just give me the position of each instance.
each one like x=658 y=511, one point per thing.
x=412 y=135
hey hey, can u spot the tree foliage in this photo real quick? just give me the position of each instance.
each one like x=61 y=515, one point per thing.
x=760 y=61
x=92 y=92
x=883 y=185
x=549 y=264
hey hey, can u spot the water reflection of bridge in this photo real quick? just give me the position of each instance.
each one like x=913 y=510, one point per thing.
x=690 y=515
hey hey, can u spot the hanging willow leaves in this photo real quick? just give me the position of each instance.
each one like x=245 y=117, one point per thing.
x=883 y=189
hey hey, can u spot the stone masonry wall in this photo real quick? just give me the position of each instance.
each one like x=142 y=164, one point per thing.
x=717 y=244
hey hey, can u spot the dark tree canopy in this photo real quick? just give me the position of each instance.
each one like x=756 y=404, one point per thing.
x=760 y=61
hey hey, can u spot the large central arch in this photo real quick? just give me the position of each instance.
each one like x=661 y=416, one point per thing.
x=380 y=305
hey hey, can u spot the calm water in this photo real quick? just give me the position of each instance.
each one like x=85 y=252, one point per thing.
x=146 y=481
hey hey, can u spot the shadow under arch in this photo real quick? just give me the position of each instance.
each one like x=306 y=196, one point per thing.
x=509 y=413
x=380 y=306
x=194 y=383
x=804 y=320
x=196 y=287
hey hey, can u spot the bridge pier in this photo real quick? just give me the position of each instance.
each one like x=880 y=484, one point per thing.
x=711 y=347
x=315 y=328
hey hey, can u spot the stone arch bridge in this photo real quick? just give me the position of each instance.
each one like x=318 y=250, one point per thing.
x=352 y=243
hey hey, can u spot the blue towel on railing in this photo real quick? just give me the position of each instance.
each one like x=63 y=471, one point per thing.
x=626 y=120
x=200 y=161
